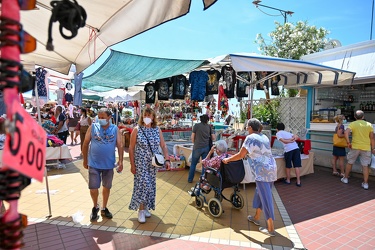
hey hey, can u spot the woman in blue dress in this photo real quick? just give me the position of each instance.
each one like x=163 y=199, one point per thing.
x=147 y=134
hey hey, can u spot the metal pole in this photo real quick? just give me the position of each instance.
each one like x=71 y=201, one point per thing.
x=372 y=19
x=47 y=189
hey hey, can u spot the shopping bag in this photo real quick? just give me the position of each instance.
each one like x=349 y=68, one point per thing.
x=339 y=141
x=372 y=165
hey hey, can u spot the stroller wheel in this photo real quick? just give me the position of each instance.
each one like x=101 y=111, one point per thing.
x=237 y=200
x=215 y=207
x=199 y=202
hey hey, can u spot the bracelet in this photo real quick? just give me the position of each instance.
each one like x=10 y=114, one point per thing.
x=168 y=160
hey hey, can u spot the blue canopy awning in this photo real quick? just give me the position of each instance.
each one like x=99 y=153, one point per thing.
x=126 y=70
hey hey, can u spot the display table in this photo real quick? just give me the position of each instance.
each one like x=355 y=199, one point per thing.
x=58 y=153
x=219 y=125
x=307 y=166
x=52 y=153
x=304 y=145
x=186 y=150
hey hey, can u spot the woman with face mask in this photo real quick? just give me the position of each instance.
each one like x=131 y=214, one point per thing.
x=147 y=134
x=85 y=122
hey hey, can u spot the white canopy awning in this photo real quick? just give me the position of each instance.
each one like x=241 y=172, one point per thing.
x=359 y=57
x=293 y=73
x=108 y=23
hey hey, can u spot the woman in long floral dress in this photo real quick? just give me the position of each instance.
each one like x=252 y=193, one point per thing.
x=147 y=134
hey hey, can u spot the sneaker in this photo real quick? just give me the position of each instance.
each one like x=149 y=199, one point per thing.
x=365 y=185
x=94 y=214
x=344 y=180
x=105 y=213
x=141 y=216
x=251 y=219
x=147 y=213
x=266 y=232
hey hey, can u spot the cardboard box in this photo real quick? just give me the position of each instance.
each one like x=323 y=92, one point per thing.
x=185 y=150
x=175 y=165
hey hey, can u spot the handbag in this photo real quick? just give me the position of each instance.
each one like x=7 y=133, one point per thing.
x=157 y=159
x=339 y=141
x=372 y=165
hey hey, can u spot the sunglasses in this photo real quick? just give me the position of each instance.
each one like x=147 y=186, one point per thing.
x=26 y=42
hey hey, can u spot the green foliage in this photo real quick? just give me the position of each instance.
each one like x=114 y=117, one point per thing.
x=243 y=116
x=267 y=112
x=293 y=41
x=292 y=92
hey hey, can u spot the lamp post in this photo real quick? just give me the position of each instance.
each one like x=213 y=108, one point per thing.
x=283 y=12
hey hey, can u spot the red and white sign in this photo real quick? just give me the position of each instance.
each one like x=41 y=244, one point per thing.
x=25 y=147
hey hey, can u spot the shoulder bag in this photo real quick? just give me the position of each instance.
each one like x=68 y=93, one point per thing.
x=157 y=159
x=339 y=141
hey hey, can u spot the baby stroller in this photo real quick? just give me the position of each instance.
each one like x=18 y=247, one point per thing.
x=228 y=175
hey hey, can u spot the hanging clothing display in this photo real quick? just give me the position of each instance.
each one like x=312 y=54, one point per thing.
x=198 y=80
x=229 y=77
x=150 y=92
x=68 y=97
x=212 y=86
x=263 y=84
x=275 y=85
x=60 y=96
x=180 y=84
x=41 y=80
x=77 y=98
x=222 y=102
x=69 y=86
x=241 y=85
x=162 y=87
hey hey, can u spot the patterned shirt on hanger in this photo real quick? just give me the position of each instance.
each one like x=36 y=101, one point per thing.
x=212 y=86
x=180 y=85
x=162 y=86
x=229 y=77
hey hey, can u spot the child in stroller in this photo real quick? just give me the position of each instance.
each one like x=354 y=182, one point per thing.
x=213 y=179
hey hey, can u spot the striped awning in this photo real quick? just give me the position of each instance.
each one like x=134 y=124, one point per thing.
x=293 y=73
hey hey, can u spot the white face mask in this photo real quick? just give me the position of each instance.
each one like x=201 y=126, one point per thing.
x=147 y=120
x=102 y=122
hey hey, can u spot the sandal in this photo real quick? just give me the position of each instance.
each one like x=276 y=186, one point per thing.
x=335 y=173
x=342 y=175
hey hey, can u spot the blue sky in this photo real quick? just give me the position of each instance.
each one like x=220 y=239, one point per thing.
x=231 y=26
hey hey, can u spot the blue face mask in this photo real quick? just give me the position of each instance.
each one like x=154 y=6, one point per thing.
x=344 y=121
x=102 y=122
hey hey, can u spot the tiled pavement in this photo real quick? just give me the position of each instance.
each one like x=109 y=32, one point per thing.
x=322 y=214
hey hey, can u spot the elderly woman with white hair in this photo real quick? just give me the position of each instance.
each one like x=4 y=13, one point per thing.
x=221 y=148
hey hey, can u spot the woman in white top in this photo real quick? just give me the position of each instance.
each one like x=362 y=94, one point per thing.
x=85 y=122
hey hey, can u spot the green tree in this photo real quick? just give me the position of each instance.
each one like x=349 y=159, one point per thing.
x=292 y=41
